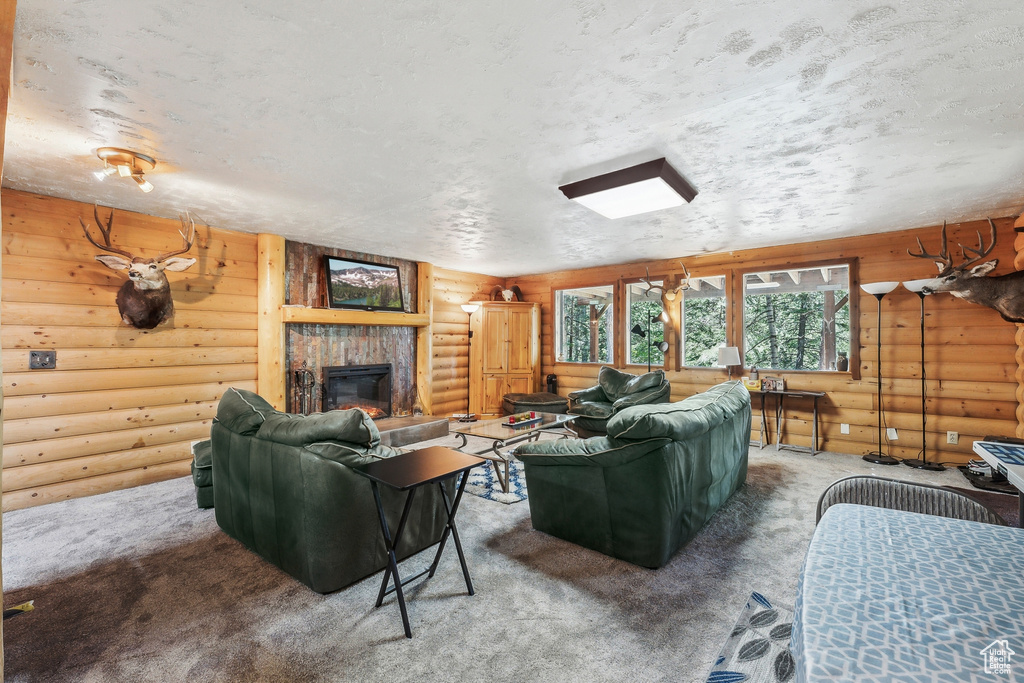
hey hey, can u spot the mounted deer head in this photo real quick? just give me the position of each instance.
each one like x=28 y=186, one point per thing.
x=1004 y=293
x=144 y=300
x=668 y=296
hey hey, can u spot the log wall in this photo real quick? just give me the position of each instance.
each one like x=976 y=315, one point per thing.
x=450 y=336
x=123 y=405
x=971 y=368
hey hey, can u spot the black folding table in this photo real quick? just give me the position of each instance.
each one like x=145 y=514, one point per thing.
x=407 y=472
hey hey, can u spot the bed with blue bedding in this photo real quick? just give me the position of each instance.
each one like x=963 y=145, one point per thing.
x=892 y=595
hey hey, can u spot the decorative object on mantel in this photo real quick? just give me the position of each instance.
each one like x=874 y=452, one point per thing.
x=125 y=164
x=879 y=290
x=1004 y=293
x=144 y=300
x=917 y=287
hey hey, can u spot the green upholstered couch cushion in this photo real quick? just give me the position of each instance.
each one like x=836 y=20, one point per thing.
x=683 y=420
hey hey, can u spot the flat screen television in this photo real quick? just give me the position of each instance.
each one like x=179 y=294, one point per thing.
x=362 y=285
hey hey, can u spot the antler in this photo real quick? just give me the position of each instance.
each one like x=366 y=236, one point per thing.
x=106 y=246
x=981 y=252
x=188 y=235
x=943 y=253
x=667 y=294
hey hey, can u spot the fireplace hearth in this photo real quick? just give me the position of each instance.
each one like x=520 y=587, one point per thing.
x=358 y=386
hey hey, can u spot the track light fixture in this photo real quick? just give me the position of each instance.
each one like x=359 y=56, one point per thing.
x=125 y=164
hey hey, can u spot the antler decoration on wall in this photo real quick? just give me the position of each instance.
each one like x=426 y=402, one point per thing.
x=668 y=296
x=144 y=300
x=1004 y=293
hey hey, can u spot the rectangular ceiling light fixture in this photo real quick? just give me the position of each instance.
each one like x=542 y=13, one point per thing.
x=630 y=191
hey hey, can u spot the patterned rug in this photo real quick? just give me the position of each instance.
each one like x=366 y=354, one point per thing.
x=757 y=650
x=483 y=482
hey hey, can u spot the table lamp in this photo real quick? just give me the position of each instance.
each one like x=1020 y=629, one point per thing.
x=729 y=356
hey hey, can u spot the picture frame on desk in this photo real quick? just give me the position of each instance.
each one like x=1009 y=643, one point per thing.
x=773 y=384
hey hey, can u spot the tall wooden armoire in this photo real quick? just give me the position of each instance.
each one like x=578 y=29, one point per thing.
x=504 y=354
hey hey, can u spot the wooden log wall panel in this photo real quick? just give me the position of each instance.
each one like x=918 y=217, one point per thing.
x=122 y=406
x=320 y=346
x=974 y=380
x=450 y=334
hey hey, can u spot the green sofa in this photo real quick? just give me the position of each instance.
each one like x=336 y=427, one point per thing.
x=644 y=490
x=284 y=488
x=615 y=391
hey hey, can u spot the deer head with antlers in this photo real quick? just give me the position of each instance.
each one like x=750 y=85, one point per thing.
x=967 y=281
x=668 y=296
x=144 y=300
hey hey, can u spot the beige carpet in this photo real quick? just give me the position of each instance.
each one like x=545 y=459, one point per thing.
x=139 y=585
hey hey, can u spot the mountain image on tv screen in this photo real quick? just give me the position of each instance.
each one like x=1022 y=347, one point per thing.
x=365 y=285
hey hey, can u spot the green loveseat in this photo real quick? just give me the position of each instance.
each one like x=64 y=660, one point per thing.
x=284 y=488
x=644 y=490
x=615 y=391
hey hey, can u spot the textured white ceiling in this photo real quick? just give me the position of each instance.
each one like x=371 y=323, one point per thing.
x=440 y=131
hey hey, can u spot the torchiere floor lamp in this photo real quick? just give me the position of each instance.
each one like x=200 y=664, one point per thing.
x=878 y=290
x=470 y=309
x=916 y=286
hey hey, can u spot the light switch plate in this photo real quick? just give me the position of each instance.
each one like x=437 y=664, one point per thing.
x=42 y=360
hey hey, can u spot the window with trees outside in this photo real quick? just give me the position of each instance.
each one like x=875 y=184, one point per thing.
x=644 y=307
x=583 y=324
x=703 y=316
x=798 y=318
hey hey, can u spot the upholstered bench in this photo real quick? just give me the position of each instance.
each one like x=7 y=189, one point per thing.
x=202 y=473
x=541 y=402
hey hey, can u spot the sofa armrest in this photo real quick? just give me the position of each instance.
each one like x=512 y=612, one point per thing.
x=598 y=451
x=595 y=394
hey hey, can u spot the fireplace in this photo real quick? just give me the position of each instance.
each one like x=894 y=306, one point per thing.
x=358 y=386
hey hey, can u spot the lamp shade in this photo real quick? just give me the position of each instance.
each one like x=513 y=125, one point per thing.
x=877 y=288
x=470 y=308
x=917 y=285
x=728 y=355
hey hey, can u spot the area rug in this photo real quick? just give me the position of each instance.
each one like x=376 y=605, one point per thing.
x=483 y=482
x=757 y=650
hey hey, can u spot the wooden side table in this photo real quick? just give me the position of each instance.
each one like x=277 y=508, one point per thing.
x=408 y=472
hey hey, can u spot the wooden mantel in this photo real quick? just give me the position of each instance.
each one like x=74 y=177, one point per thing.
x=274 y=315
x=332 y=316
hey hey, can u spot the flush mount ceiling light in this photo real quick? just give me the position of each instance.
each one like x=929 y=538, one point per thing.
x=126 y=164
x=630 y=191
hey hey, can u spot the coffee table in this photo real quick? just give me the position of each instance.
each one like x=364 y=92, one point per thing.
x=502 y=436
x=1007 y=459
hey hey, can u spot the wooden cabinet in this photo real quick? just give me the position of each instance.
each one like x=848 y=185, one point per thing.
x=504 y=356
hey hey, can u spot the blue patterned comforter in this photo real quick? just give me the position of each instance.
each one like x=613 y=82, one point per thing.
x=891 y=595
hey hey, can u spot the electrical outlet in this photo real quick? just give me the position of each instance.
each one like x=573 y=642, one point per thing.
x=953 y=438
x=42 y=360
x=892 y=434
x=844 y=428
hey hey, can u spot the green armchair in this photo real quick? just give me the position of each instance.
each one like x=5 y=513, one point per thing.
x=283 y=487
x=615 y=390
x=644 y=490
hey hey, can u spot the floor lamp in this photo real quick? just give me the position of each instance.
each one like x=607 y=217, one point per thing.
x=916 y=286
x=878 y=290
x=470 y=309
x=639 y=331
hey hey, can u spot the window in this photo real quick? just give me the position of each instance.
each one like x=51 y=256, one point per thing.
x=703 y=317
x=583 y=324
x=797 y=319
x=643 y=309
